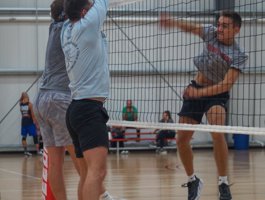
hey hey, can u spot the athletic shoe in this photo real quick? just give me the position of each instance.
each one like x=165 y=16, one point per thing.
x=224 y=192
x=106 y=196
x=124 y=152
x=194 y=189
x=26 y=153
x=161 y=151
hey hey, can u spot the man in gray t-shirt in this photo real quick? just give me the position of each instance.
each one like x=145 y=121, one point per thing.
x=219 y=66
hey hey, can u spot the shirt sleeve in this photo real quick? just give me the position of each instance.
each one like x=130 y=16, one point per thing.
x=135 y=110
x=209 y=33
x=239 y=61
x=97 y=13
x=124 y=110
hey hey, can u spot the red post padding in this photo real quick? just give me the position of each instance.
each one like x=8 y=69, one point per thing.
x=46 y=189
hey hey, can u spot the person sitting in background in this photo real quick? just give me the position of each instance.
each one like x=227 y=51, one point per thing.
x=116 y=133
x=162 y=135
x=130 y=113
x=28 y=123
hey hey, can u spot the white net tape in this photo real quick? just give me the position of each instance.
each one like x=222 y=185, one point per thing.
x=190 y=127
x=116 y=3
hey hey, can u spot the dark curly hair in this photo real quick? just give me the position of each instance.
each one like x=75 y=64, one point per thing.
x=237 y=20
x=73 y=8
x=57 y=11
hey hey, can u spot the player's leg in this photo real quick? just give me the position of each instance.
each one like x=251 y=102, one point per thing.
x=190 y=113
x=184 y=147
x=216 y=115
x=49 y=109
x=33 y=132
x=25 y=146
x=55 y=171
x=96 y=160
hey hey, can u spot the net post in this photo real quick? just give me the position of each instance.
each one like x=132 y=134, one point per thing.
x=46 y=189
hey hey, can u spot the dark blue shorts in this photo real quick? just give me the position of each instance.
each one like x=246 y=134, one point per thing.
x=28 y=130
x=195 y=108
x=86 y=122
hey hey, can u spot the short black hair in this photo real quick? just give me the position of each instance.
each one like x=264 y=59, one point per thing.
x=237 y=20
x=73 y=8
x=57 y=12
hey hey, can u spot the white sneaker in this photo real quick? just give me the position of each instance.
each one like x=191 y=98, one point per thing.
x=40 y=152
x=106 y=196
x=124 y=152
x=26 y=153
x=163 y=152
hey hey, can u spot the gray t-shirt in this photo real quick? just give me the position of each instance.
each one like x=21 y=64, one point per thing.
x=86 y=57
x=217 y=58
x=54 y=76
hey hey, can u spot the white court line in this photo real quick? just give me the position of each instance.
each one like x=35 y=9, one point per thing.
x=20 y=174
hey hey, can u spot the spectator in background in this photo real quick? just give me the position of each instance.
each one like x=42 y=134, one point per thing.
x=163 y=134
x=116 y=133
x=28 y=123
x=130 y=113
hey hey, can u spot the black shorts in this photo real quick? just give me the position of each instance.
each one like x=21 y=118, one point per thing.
x=195 y=108
x=86 y=121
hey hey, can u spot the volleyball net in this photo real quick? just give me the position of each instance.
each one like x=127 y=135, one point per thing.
x=152 y=66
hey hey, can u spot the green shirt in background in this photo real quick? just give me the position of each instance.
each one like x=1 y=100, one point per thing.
x=129 y=114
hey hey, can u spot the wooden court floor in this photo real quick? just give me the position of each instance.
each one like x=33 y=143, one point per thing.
x=141 y=176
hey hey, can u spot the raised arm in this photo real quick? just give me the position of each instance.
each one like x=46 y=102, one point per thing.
x=33 y=116
x=186 y=26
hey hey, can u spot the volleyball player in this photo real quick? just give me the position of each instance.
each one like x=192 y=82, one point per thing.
x=219 y=66
x=85 y=49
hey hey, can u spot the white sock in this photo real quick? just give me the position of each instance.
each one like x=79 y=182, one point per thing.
x=106 y=196
x=222 y=179
x=191 y=178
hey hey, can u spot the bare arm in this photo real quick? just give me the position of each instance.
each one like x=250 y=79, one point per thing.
x=33 y=116
x=224 y=86
x=186 y=26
